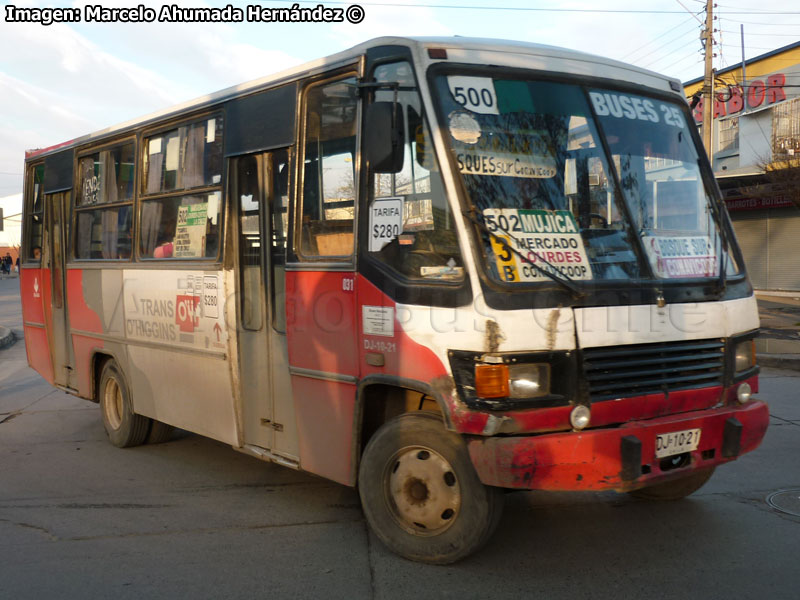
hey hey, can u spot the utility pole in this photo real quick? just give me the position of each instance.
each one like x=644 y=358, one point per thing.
x=708 y=81
x=744 y=74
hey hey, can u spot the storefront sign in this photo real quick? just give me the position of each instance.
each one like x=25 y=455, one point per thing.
x=760 y=203
x=759 y=93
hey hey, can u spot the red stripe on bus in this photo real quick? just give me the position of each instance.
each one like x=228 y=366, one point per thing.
x=81 y=315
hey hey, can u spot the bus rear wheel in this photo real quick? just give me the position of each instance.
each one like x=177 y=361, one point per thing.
x=675 y=489
x=159 y=432
x=123 y=427
x=421 y=494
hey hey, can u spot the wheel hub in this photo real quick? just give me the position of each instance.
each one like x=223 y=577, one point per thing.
x=422 y=491
x=112 y=398
x=416 y=491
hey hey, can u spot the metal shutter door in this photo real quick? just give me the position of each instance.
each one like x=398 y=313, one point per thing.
x=751 y=231
x=784 y=249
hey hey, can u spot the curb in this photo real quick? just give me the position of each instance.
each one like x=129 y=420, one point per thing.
x=7 y=337
x=780 y=361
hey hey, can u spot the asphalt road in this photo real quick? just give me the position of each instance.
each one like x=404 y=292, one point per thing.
x=192 y=518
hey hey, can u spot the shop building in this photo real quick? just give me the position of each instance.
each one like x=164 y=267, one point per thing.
x=10 y=226
x=756 y=159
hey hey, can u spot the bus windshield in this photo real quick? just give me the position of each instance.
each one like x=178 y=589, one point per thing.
x=538 y=161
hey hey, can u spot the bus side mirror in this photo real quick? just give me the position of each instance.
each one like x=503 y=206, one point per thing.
x=384 y=137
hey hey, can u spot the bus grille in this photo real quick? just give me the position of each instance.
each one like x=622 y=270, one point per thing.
x=636 y=370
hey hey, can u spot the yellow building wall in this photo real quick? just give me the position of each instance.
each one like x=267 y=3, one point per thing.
x=754 y=70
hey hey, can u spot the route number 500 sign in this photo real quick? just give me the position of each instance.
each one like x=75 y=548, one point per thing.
x=476 y=94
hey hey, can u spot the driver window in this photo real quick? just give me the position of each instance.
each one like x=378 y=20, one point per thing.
x=411 y=226
x=328 y=174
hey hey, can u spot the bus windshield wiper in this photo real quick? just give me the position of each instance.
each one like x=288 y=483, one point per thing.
x=561 y=279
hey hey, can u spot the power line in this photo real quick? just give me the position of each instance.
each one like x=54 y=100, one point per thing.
x=748 y=46
x=652 y=63
x=528 y=8
x=664 y=69
x=794 y=35
x=690 y=12
x=772 y=58
x=664 y=56
x=760 y=23
x=749 y=9
x=736 y=7
x=722 y=59
x=670 y=55
x=656 y=39
x=681 y=36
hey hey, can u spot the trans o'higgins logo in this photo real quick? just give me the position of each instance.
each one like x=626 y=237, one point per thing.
x=186 y=309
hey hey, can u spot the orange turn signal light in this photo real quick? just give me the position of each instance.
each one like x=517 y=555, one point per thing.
x=491 y=381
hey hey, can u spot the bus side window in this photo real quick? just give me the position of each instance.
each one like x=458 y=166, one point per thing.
x=329 y=177
x=104 y=203
x=249 y=192
x=35 y=216
x=279 y=230
x=184 y=158
x=181 y=226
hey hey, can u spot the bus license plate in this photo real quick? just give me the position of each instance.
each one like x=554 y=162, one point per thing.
x=677 y=442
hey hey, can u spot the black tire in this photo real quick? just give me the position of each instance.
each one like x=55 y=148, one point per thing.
x=159 y=432
x=421 y=494
x=675 y=489
x=123 y=427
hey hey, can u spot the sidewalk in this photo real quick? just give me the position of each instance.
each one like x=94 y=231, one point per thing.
x=7 y=337
x=10 y=310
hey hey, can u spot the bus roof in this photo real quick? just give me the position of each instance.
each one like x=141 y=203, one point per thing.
x=288 y=75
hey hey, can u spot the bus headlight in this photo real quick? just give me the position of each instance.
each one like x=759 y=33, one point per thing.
x=745 y=356
x=529 y=381
x=512 y=381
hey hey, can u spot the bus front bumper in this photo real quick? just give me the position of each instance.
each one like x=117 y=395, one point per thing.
x=620 y=458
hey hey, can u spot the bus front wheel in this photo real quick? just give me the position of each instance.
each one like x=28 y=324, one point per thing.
x=123 y=427
x=420 y=493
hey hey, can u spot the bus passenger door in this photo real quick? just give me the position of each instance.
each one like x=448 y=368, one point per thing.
x=321 y=313
x=56 y=315
x=260 y=190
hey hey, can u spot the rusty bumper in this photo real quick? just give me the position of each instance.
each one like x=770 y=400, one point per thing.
x=619 y=458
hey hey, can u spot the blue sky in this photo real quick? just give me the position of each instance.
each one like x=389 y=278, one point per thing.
x=61 y=81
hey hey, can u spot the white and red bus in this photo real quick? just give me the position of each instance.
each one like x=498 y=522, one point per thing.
x=434 y=269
